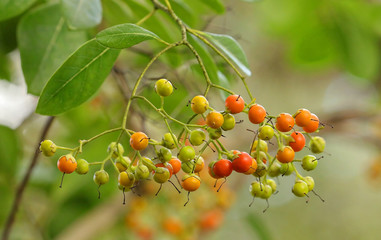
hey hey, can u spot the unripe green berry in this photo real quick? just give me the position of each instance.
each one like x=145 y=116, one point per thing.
x=187 y=167
x=122 y=163
x=256 y=189
x=272 y=184
x=286 y=169
x=229 y=122
x=115 y=149
x=165 y=155
x=82 y=166
x=48 y=148
x=267 y=191
x=163 y=87
x=310 y=182
x=262 y=146
x=300 y=188
x=161 y=175
x=261 y=169
x=266 y=132
x=169 y=141
x=274 y=170
x=309 y=162
x=317 y=145
x=214 y=133
x=147 y=162
x=186 y=154
x=101 y=177
x=142 y=172
x=197 y=137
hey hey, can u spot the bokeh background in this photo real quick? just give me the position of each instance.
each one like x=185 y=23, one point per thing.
x=318 y=54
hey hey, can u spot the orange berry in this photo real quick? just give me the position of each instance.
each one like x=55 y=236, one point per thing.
x=173 y=226
x=285 y=155
x=176 y=165
x=257 y=114
x=235 y=104
x=214 y=119
x=139 y=141
x=191 y=182
x=313 y=125
x=302 y=117
x=284 y=122
x=211 y=219
x=67 y=163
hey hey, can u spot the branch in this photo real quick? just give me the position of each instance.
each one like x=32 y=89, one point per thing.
x=21 y=188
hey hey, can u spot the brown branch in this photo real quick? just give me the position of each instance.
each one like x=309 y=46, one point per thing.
x=24 y=182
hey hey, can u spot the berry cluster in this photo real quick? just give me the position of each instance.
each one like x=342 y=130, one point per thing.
x=194 y=139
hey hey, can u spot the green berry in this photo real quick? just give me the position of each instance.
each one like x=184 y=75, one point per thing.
x=266 y=132
x=82 y=166
x=286 y=169
x=300 y=188
x=187 y=167
x=256 y=189
x=161 y=175
x=169 y=141
x=262 y=146
x=48 y=148
x=165 y=155
x=214 y=133
x=309 y=162
x=274 y=170
x=261 y=169
x=147 y=162
x=310 y=182
x=142 y=172
x=197 y=137
x=267 y=191
x=115 y=149
x=229 y=122
x=317 y=145
x=272 y=184
x=101 y=177
x=163 y=87
x=186 y=154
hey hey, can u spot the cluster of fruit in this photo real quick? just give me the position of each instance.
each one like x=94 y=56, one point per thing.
x=258 y=163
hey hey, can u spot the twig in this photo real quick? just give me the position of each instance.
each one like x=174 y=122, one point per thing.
x=24 y=182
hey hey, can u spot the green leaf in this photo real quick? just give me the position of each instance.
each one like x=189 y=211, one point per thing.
x=8 y=40
x=44 y=43
x=124 y=36
x=77 y=79
x=11 y=8
x=10 y=149
x=5 y=68
x=215 y=5
x=231 y=48
x=82 y=14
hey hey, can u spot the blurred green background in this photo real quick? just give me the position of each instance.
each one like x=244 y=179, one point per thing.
x=319 y=54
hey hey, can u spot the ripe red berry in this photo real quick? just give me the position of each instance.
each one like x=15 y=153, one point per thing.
x=242 y=163
x=223 y=168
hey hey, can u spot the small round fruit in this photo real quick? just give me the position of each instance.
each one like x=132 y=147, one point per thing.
x=167 y=166
x=190 y=182
x=115 y=149
x=263 y=147
x=200 y=163
x=267 y=191
x=214 y=133
x=163 y=87
x=223 y=168
x=272 y=184
x=101 y=177
x=165 y=154
x=67 y=163
x=266 y=132
x=82 y=167
x=169 y=141
x=214 y=119
x=285 y=155
x=148 y=162
x=284 y=122
x=242 y=163
x=197 y=137
x=310 y=182
x=317 y=145
x=176 y=165
x=229 y=122
x=210 y=170
x=309 y=162
x=256 y=189
x=188 y=167
x=48 y=148
x=300 y=188
x=235 y=104
x=287 y=169
x=122 y=163
x=299 y=141
x=161 y=175
x=313 y=125
x=186 y=154
x=142 y=172
x=199 y=104
x=252 y=168
x=257 y=114
x=139 y=141
x=302 y=117
x=274 y=170
x=126 y=179
x=261 y=170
